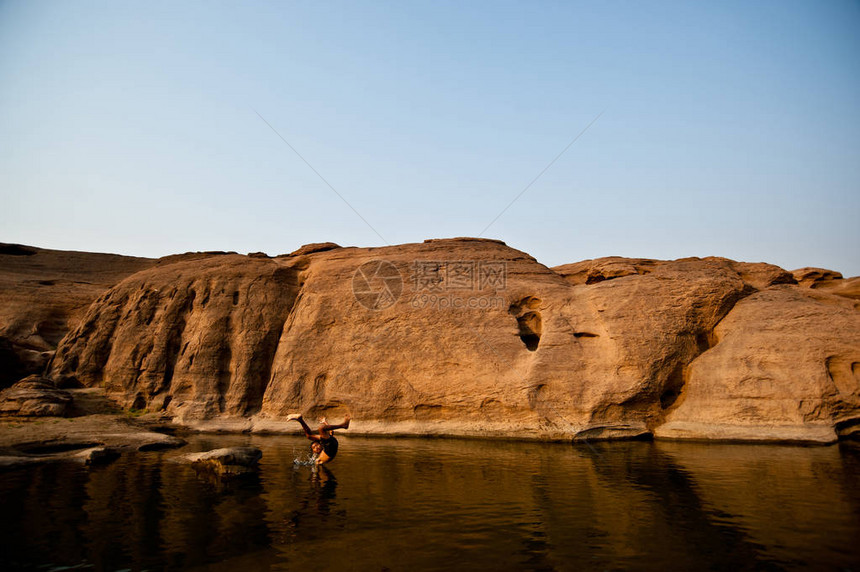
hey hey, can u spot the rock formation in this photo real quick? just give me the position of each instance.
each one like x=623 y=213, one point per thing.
x=196 y=337
x=34 y=396
x=471 y=337
x=90 y=439
x=44 y=294
x=228 y=461
x=784 y=363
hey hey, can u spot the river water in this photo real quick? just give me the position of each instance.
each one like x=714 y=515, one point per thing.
x=440 y=504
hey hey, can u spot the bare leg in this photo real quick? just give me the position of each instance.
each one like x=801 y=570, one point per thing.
x=308 y=433
x=324 y=432
x=327 y=427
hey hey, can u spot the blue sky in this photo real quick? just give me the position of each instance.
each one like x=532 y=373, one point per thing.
x=727 y=128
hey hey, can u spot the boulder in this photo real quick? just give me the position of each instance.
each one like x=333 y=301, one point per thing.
x=812 y=277
x=34 y=396
x=226 y=461
x=314 y=247
x=760 y=275
x=41 y=453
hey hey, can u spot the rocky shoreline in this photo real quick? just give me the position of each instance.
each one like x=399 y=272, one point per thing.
x=100 y=432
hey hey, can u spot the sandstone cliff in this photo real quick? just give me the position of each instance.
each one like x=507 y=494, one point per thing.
x=44 y=293
x=471 y=337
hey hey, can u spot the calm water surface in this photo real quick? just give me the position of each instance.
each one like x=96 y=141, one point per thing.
x=405 y=504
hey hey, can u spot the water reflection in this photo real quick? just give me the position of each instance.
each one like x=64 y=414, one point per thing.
x=794 y=505
x=445 y=504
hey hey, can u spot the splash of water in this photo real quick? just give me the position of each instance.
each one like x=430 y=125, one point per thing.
x=304 y=459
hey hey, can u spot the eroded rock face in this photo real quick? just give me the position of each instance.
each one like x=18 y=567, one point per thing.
x=830 y=281
x=847 y=288
x=786 y=363
x=812 y=277
x=196 y=336
x=43 y=294
x=476 y=338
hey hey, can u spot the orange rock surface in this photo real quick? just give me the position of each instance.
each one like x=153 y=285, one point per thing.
x=471 y=337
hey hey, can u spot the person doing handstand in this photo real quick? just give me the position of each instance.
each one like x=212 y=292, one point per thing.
x=323 y=445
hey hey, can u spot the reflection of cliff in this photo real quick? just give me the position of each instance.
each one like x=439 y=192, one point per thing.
x=152 y=512
x=619 y=506
x=811 y=498
x=413 y=504
x=518 y=507
x=41 y=511
x=483 y=340
x=679 y=514
x=134 y=511
x=635 y=505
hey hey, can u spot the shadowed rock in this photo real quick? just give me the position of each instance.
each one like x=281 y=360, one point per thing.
x=34 y=396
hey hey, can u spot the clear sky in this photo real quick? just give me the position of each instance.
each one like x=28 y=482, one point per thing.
x=727 y=128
